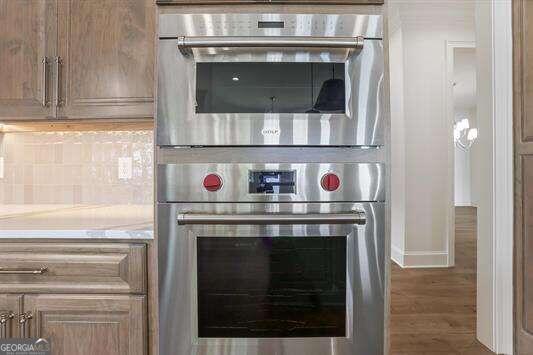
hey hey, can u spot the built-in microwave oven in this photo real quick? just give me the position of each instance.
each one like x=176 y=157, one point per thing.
x=270 y=79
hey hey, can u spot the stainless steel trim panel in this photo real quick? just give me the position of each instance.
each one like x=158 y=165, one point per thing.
x=184 y=182
x=328 y=155
x=247 y=24
x=365 y=279
x=353 y=217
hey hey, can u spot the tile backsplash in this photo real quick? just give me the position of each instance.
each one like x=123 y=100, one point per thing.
x=77 y=167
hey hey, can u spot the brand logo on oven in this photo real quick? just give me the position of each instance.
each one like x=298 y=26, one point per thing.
x=270 y=131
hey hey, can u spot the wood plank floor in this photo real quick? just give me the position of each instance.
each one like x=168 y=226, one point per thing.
x=433 y=311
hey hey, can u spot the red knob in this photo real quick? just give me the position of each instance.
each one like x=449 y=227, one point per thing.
x=212 y=182
x=330 y=182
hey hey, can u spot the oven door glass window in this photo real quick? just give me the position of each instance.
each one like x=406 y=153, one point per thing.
x=271 y=287
x=256 y=87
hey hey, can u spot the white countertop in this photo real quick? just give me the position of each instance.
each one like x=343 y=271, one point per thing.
x=77 y=221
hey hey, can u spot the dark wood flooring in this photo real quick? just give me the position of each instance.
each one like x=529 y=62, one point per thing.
x=433 y=311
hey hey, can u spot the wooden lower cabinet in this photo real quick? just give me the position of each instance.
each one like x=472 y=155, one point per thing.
x=89 y=324
x=10 y=308
x=75 y=268
x=86 y=298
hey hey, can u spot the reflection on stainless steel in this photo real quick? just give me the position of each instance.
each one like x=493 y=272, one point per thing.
x=183 y=182
x=179 y=124
x=178 y=284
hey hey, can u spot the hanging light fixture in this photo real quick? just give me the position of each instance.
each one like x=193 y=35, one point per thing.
x=463 y=135
x=331 y=97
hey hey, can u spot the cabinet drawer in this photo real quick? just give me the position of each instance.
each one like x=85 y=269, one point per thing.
x=72 y=268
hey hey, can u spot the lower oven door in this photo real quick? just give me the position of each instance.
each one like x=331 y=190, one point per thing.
x=264 y=279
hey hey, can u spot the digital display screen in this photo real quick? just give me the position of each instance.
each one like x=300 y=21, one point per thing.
x=272 y=182
x=271 y=24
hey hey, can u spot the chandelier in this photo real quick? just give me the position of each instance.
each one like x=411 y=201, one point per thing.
x=463 y=135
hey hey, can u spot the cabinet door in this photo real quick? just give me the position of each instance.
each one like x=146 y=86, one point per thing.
x=88 y=325
x=10 y=308
x=106 y=51
x=111 y=268
x=27 y=38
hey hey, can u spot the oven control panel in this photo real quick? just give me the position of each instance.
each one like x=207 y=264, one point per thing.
x=272 y=182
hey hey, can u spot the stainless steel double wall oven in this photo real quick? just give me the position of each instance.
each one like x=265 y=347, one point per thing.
x=271 y=182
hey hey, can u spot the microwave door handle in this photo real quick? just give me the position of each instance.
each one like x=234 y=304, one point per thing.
x=186 y=44
x=354 y=217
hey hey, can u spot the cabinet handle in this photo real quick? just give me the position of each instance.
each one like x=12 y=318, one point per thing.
x=353 y=217
x=44 y=83
x=40 y=271
x=23 y=324
x=58 y=101
x=186 y=44
x=5 y=317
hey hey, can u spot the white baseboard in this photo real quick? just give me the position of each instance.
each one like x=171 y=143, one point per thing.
x=419 y=259
x=465 y=204
x=396 y=255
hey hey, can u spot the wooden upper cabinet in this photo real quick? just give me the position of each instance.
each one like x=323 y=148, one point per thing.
x=89 y=325
x=27 y=38
x=222 y=2
x=106 y=51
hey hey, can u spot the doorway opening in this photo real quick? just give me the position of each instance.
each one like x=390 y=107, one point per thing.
x=436 y=56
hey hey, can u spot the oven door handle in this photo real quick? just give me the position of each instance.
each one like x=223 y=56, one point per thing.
x=186 y=44
x=354 y=217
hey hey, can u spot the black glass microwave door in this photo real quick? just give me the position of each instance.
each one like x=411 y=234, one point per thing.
x=271 y=287
x=270 y=87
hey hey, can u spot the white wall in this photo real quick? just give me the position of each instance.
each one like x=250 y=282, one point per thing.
x=482 y=172
x=463 y=178
x=464 y=106
x=427 y=140
x=463 y=165
x=397 y=139
x=502 y=122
